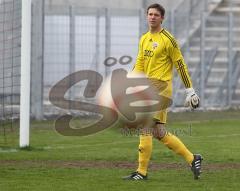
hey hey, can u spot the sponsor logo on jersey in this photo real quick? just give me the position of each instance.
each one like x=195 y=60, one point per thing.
x=148 y=53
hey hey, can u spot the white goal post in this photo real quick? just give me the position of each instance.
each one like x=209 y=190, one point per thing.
x=25 y=74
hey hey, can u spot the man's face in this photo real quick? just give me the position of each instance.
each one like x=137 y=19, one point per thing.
x=154 y=18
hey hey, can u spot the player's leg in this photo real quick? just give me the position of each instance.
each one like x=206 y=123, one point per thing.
x=175 y=144
x=144 y=155
x=144 y=152
x=145 y=145
x=170 y=140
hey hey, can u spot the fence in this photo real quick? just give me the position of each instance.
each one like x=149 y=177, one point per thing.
x=69 y=39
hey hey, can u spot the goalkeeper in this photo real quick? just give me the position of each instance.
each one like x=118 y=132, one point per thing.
x=157 y=55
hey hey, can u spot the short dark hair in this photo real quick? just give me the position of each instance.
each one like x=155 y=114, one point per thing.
x=157 y=6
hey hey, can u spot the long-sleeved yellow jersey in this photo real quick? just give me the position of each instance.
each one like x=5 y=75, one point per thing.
x=157 y=54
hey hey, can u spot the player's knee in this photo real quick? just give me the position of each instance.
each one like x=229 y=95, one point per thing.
x=159 y=131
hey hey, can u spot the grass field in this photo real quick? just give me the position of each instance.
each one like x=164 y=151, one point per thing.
x=97 y=162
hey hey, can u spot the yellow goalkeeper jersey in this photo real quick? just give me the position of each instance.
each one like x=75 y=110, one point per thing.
x=157 y=55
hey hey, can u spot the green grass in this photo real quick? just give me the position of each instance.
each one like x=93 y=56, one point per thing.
x=107 y=179
x=46 y=165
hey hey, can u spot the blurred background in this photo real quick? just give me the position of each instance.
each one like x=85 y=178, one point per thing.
x=73 y=35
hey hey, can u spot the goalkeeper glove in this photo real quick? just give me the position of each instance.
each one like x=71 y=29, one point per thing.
x=192 y=100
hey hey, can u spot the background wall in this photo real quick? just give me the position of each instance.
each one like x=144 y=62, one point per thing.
x=133 y=4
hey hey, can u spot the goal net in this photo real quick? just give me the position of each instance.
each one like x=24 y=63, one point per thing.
x=10 y=62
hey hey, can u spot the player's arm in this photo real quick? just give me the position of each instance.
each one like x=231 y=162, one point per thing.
x=178 y=61
x=139 y=65
x=192 y=100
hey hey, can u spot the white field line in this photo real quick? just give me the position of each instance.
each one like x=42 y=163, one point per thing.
x=133 y=141
x=8 y=150
x=111 y=143
x=86 y=145
x=69 y=147
x=214 y=136
x=219 y=136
